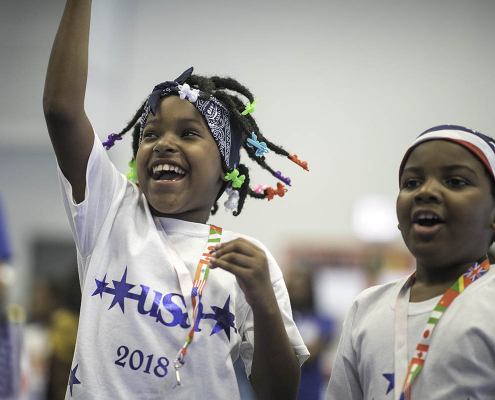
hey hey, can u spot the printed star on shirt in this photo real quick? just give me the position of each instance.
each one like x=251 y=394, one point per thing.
x=390 y=379
x=121 y=291
x=73 y=380
x=224 y=318
x=100 y=286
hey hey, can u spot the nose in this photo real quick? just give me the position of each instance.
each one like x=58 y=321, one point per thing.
x=429 y=191
x=166 y=143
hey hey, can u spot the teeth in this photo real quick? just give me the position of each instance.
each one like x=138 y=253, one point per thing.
x=168 y=167
x=427 y=216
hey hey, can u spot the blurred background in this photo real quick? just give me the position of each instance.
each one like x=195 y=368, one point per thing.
x=345 y=85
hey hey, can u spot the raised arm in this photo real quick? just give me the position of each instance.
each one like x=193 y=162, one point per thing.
x=70 y=131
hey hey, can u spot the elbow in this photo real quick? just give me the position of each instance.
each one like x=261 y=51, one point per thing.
x=59 y=112
x=52 y=108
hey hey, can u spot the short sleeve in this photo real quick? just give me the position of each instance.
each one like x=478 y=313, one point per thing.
x=247 y=344
x=105 y=187
x=344 y=382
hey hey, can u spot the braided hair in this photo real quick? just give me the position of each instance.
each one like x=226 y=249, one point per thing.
x=228 y=91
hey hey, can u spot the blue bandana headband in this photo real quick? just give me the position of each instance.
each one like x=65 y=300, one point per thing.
x=225 y=134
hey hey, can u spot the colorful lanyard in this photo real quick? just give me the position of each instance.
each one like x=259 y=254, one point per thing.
x=197 y=287
x=476 y=271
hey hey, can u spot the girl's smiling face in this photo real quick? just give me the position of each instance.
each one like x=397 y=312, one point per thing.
x=445 y=207
x=178 y=163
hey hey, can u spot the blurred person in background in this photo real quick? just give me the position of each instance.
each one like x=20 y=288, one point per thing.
x=45 y=299
x=50 y=336
x=63 y=333
x=12 y=387
x=316 y=331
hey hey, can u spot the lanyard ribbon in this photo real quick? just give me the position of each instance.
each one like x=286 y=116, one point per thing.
x=195 y=288
x=476 y=271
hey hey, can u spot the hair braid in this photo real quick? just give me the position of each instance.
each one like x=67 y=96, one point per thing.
x=133 y=121
x=243 y=190
x=215 y=208
x=250 y=125
x=135 y=139
x=233 y=85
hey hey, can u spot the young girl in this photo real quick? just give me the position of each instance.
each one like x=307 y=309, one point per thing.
x=432 y=335
x=156 y=321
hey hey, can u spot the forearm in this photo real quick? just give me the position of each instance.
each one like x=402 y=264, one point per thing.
x=70 y=131
x=66 y=77
x=275 y=372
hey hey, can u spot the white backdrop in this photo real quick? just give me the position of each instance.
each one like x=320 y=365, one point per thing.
x=346 y=85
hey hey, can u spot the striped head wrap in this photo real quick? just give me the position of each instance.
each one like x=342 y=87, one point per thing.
x=477 y=143
x=222 y=127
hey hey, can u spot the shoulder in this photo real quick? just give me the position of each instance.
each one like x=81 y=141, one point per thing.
x=377 y=296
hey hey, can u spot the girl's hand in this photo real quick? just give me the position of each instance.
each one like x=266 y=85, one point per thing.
x=249 y=265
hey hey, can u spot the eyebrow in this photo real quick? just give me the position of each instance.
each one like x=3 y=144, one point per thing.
x=184 y=120
x=448 y=168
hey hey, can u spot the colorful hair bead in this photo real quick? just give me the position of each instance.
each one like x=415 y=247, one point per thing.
x=237 y=180
x=260 y=188
x=260 y=146
x=302 y=164
x=111 y=140
x=278 y=175
x=232 y=201
x=185 y=91
x=132 y=175
x=249 y=107
x=270 y=192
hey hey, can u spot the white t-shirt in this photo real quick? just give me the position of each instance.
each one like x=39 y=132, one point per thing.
x=461 y=358
x=133 y=317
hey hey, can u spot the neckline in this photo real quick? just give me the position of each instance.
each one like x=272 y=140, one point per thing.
x=423 y=307
x=187 y=227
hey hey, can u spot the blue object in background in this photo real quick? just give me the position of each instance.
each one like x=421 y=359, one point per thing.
x=5 y=249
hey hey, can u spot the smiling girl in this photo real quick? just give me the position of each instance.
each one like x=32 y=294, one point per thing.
x=152 y=293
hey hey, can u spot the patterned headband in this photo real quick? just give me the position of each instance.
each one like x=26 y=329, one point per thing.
x=225 y=133
x=474 y=141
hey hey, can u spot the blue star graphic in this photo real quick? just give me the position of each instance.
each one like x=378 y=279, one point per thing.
x=100 y=286
x=390 y=379
x=224 y=318
x=121 y=291
x=73 y=380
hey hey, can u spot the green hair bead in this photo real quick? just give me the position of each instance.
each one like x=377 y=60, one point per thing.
x=132 y=175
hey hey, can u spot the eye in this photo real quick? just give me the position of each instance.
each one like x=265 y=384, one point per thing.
x=456 y=182
x=411 y=184
x=189 y=134
x=149 y=134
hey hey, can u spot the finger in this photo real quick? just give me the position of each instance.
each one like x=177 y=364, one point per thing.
x=227 y=266
x=238 y=259
x=238 y=245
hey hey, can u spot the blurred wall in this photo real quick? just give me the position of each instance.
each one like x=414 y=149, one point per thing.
x=344 y=84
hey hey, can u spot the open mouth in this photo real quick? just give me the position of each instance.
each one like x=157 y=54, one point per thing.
x=167 y=172
x=427 y=219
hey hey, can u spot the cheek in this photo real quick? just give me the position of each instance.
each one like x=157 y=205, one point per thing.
x=141 y=170
x=402 y=208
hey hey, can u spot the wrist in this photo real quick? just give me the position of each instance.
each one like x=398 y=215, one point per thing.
x=266 y=309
